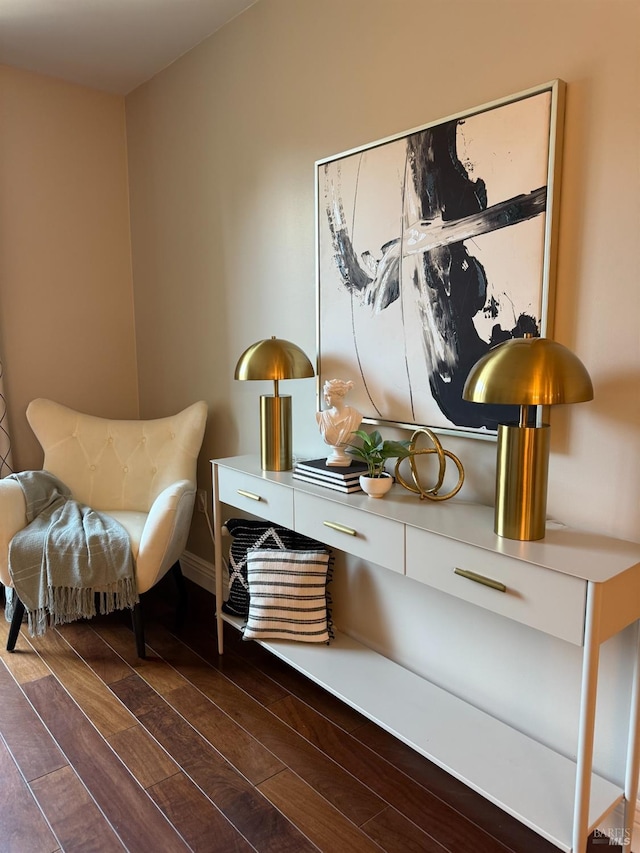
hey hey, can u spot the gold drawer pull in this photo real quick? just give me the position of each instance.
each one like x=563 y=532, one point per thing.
x=339 y=527
x=472 y=576
x=249 y=495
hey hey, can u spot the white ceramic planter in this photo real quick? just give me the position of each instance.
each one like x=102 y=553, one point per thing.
x=376 y=487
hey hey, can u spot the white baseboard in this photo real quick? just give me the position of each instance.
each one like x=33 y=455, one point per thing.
x=199 y=571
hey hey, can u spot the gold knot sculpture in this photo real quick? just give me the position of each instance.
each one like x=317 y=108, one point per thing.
x=432 y=493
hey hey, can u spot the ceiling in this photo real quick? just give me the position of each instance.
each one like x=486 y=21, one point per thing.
x=113 y=45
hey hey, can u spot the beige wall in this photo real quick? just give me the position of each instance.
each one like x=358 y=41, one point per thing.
x=222 y=146
x=66 y=306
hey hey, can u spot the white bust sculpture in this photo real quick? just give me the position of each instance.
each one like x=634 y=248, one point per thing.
x=338 y=421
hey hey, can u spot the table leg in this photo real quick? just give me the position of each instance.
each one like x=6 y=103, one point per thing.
x=633 y=749
x=590 y=662
x=217 y=526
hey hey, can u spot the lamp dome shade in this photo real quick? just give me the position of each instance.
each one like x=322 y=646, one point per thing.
x=273 y=358
x=528 y=372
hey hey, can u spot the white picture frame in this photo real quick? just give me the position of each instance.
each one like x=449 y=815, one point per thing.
x=432 y=246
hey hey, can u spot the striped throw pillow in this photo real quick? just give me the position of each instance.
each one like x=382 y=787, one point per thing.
x=247 y=534
x=287 y=596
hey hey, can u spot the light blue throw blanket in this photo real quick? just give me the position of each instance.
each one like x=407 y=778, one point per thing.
x=65 y=555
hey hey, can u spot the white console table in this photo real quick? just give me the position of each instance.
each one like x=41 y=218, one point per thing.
x=580 y=587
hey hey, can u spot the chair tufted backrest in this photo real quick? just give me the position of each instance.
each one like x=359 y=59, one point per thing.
x=117 y=464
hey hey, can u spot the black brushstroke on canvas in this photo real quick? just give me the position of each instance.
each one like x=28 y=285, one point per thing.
x=455 y=281
x=450 y=283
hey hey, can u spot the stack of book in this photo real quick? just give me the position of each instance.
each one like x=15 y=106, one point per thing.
x=341 y=478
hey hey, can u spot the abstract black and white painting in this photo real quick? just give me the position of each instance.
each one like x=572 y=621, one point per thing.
x=432 y=247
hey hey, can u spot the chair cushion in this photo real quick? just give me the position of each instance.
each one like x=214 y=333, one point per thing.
x=133 y=523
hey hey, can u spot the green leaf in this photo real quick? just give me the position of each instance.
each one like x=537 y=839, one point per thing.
x=375 y=450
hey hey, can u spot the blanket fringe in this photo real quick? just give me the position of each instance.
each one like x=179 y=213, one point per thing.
x=8 y=603
x=66 y=604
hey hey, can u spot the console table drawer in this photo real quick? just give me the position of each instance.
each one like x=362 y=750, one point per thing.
x=256 y=496
x=372 y=537
x=546 y=600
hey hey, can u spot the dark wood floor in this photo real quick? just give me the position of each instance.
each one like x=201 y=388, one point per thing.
x=101 y=751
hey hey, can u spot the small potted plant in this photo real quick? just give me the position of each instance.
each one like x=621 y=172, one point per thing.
x=374 y=451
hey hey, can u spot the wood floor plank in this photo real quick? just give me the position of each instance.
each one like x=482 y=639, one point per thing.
x=201 y=824
x=115 y=630
x=239 y=669
x=93 y=696
x=135 y=818
x=23 y=829
x=249 y=678
x=396 y=834
x=73 y=815
x=240 y=749
x=347 y=794
x=32 y=747
x=293 y=682
x=162 y=677
x=249 y=812
x=102 y=659
x=430 y=813
x=318 y=819
x=143 y=756
x=22 y=663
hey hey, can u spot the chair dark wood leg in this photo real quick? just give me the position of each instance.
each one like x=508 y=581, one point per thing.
x=138 y=630
x=181 y=606
x=16 y=622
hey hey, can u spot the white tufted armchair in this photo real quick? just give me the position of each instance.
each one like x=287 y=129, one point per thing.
x=142 y=473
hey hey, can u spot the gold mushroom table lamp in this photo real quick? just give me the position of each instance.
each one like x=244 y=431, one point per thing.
x=274 y=359
x=527 y=372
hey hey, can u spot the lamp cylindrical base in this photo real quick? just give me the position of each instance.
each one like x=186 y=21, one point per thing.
x=521 y=481
x=275 y=433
